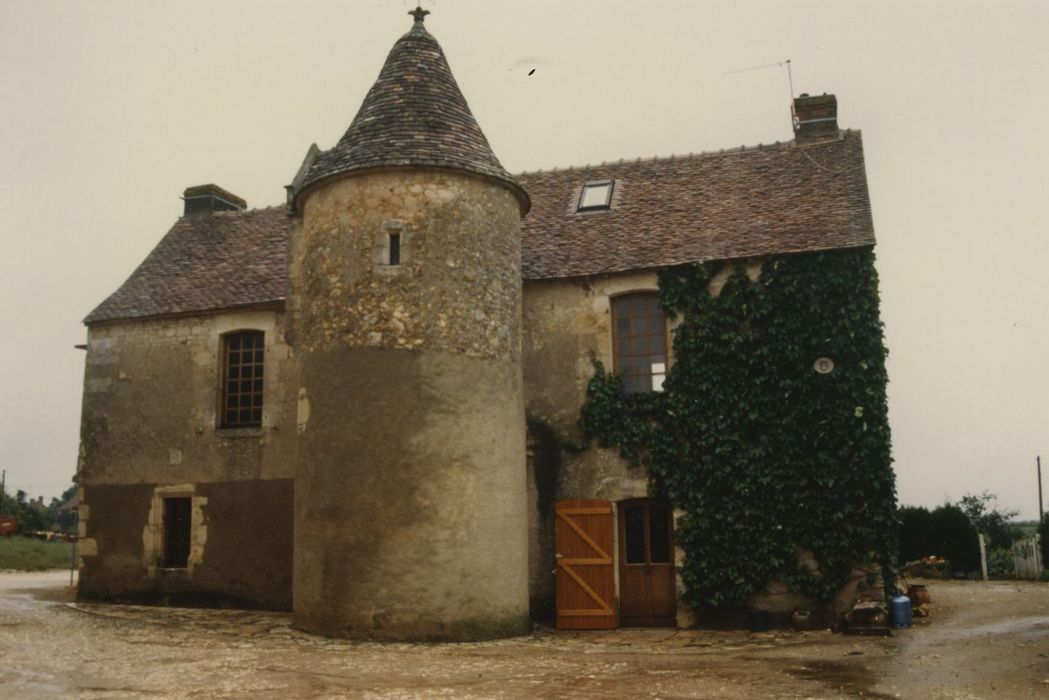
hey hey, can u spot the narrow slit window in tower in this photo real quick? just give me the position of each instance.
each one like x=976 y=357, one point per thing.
x=395 y=249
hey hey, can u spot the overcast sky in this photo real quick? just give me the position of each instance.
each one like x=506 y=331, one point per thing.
x=110 y=108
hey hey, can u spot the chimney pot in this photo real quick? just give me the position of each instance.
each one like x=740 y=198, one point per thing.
x=202 y=200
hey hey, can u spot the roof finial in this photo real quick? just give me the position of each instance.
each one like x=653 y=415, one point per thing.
x=419 y=13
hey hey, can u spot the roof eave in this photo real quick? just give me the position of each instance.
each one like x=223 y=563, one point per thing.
x=274 y=304
x=712 y=259
x=523 y=200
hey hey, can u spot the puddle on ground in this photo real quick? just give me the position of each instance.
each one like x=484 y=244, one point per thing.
x=1019 y=627
x=852 y=679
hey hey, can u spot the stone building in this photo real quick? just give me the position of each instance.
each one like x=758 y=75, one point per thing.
x=356 y=405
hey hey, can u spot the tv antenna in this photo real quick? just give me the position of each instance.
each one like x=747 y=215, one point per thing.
x=790 y=77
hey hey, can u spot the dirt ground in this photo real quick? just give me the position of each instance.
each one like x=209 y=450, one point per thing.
x=984 y=640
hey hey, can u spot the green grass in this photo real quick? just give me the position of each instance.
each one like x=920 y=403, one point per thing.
x=1027 y=527
x=27 y=554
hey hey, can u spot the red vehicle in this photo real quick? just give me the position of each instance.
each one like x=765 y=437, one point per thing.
x=8 y=525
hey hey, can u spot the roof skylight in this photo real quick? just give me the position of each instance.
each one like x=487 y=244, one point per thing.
x=597 y=194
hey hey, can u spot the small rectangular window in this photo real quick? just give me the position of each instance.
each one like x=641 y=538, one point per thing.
x=658 y=534
x=395 y=249
x=596 y=194
x=635 y=534
x=177 y=526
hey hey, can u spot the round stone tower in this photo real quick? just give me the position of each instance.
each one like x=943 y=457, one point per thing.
x=410 y=518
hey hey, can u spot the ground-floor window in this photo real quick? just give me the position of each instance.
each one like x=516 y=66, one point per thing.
x=177 y=526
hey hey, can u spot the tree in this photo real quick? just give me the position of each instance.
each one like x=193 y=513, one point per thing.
x=31 y=516
x=944 y=532
x=988 y=520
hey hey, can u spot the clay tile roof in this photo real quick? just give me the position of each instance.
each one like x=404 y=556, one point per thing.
x=414 y=115
x=718 y=206
x=205 y=263
x=735 y=204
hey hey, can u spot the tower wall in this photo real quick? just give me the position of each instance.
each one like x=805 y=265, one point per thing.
x=410 y=515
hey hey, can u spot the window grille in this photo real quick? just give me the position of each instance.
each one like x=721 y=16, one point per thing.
x=242 y=379
x=640 y=348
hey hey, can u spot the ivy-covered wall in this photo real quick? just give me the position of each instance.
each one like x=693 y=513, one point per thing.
x=768 y=457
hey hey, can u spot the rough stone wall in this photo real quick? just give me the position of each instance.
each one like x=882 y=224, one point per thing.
x=566 y=323
x=149 y=424
x=457 y=288
x=410 y=493
x=151 y=397
x=243 y=529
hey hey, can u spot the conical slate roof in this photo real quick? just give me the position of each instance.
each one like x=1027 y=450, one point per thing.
x=414 y=115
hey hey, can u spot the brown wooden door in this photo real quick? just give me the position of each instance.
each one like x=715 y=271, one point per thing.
x=583 y=545
x=647 y=587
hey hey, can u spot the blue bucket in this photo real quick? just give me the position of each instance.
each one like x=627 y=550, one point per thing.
x=900 y=611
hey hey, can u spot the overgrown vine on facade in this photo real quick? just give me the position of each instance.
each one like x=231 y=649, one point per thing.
x=766 y=456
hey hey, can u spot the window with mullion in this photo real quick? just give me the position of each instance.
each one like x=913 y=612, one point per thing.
x=640 y=331
x=244 y=354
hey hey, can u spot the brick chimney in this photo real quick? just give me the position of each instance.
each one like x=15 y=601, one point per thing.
x=205 y=199
x=815 y=118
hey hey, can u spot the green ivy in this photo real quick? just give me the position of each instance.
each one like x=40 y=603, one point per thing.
x=766 y=456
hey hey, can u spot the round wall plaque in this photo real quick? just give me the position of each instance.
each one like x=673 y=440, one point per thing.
x=823 y=365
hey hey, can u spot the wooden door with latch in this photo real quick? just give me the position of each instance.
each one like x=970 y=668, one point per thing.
x=584 y=544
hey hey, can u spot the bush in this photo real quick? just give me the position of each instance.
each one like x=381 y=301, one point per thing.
x=1044 y=576
x=1000 y=563
x=945 y=532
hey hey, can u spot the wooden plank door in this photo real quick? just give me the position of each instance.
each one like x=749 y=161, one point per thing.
x=583 y=545
x=647 y=579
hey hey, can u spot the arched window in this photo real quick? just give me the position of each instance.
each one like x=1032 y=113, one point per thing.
x=640 y=341
x=243 y=354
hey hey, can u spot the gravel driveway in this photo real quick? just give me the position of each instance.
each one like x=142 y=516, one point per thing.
x=983 y=641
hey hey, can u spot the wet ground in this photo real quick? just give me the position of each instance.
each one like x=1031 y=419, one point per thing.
x=983 y=641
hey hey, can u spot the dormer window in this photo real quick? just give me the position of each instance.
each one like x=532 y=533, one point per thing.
x=596 y=195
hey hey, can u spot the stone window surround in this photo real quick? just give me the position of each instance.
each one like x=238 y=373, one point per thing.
x=381 y=248
x=153 y=532
x=224 y=325
x=605 y=288
x=612 y=327
x=220 y=409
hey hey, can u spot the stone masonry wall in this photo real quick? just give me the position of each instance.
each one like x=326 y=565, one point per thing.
x=457 y=288
x=151 y=397
x=566 y=322
x=410 y=516
x=150 y=429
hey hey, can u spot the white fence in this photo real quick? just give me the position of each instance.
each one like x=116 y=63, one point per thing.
x=1027 y=557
